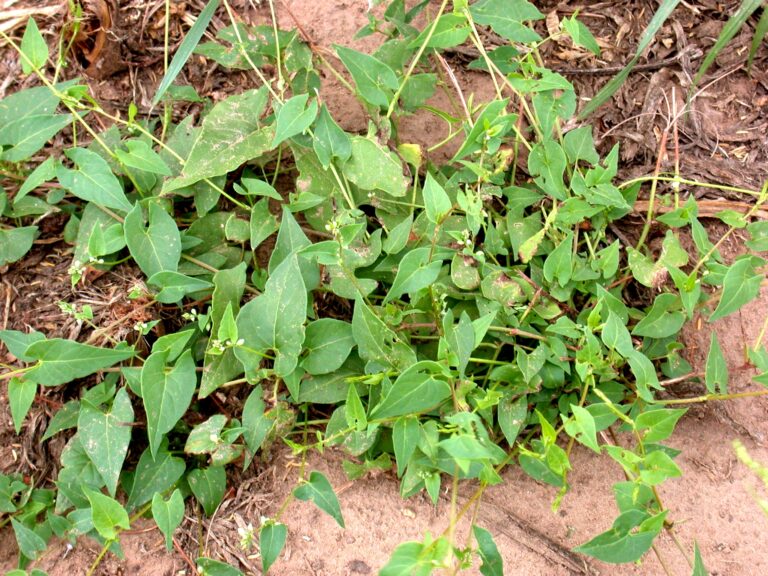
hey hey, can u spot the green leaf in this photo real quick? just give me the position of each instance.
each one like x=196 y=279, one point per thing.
x=416 y=390
x=663 y=319
x=141 y=156
x=437 y=203
x=582 y=427
x=354 y=410
x=645 y=374
x=658 y=424
x=506 y=18
x=579 y=145
x=208 y=567
x=320 y=491
x=559 y=263
x=415 y=272
x=451 y=30
x=272 y=536
x=174 y=286
x=105 y=436
x=716 y=372
x=26 y=135
x=257 y=425
x=409 y=559
x=698 y=564
x=291 y=239
x=616 y=336
x=61 y=361
x=21 y=394
x=15 y=243
x=167 y=393
x=107 y=514
x=375 y=81
x=186 y=48
x=330 y=141
x=492 y=565
x=231 y=135
x=581 y=35
x=293 y=118
x=208 y=485
x=475 y=139
x=372 y=167
x=64 y=419
x=30 y=544
x=630 y=537
x=328 y=343
x=512 y=414
x=168 y=514
x=154 y=475
x=546 y=162
x=275 y=320
x=93 y=180
x=405 y=437
x=205 y=437
x=155 y=248
x=376 y=342
x=34 y=50
x=740 y=285
x=263 y=223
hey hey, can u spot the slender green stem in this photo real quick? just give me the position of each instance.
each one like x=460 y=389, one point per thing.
x=711 y=397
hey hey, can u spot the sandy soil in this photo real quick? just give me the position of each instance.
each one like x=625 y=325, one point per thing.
x=710 y=504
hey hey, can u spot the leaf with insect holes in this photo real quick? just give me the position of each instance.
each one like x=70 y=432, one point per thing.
x=320 y=491
x=15 y=243
x=375 y=81
x=373 y=167
x=492 y=565
x=156 y=246
x=93 y=180
x=107 y=514
x=168 y=514
x=105 y=436
x=232 y=134
x=208 y=485
x=436 y=202
x=60 y=361
x=167 y=393
x=274 y=321
x=293 y=118
x=21 y=394
x=658 y=425
x=415 y=271
x=512 y=414
x=34 y=50
x=272 y=536
x=740 y=285
x=716 y=371
x=141 y=156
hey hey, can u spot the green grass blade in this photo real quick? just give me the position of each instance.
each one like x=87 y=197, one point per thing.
x=666 y=8
x=760 y=31
x=188 y=45
x=730 y=29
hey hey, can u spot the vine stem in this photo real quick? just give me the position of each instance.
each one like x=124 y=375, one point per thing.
x=415 y=60
x=711 y=397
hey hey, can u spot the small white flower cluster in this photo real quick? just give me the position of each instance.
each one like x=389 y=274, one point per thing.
x=220 y=346
x=247 y=537
x=333 y=227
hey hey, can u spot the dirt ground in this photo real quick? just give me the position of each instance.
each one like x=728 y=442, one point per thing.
x=724 y=141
